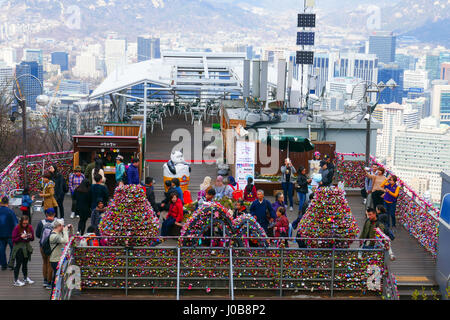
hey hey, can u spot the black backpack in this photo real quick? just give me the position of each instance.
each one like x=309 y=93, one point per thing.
x=46 y=248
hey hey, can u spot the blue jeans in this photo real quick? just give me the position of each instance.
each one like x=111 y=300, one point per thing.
x=4 y=242
x=390 y=208
x=167 y=224
x=288 y=190
x=301 y=200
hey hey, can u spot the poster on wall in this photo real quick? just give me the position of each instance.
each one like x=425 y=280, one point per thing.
x=245 y=162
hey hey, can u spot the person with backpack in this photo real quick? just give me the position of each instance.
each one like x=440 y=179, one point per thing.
x=121 y=178
x=232 y=190
x=75 y=179
x=27 y=201
x=250 y=191
x=61 y=188
x=43 y=230
x=82 y=196
x=22 y=235
x=55 y=245
x=263 y=211
x=90 y=238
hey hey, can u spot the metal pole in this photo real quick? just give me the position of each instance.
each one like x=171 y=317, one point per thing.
x=332 y=273
x=24 y=141
x=231 y=274
x=368 y=130
x=126 y=270
x=178 y=273
x=281 y=271
x=145 y=117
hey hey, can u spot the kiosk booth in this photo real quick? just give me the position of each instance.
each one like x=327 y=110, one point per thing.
x=123 y=139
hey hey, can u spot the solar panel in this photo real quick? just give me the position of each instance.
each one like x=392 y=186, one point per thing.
x=305 y=38
x=305 y=57
x=306 y=20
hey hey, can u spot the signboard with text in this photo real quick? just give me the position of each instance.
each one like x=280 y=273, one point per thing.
x=245 y=162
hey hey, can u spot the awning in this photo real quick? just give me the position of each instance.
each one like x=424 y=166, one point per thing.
x=291 y=143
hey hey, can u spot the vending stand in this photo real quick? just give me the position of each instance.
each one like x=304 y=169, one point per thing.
x=123 y=139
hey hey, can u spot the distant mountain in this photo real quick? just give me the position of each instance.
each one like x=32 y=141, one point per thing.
x=433 y=32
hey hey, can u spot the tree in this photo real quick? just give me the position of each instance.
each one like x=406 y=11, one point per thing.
x=329 y=216
x=130 y=216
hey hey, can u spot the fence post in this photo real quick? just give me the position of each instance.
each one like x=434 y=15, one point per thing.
x=281 y=271
x=332 y=273
x=126 y=271
x=231 y=274
x=178 y=273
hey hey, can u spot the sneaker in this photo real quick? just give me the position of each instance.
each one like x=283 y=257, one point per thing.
x=28 y=281
x=364 y=201
x=77 y=216
x=291 y=209
x=48 y=287
x=18 y=283
x=72 y=215
x=45 y=283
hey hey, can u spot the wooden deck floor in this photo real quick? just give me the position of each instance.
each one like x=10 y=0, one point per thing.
x=413 y=263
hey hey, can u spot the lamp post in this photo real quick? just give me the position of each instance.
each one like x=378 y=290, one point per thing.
x=41 y=100
x=369 y=88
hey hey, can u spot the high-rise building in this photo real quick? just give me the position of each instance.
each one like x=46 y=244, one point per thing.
x=8 y=55
x=385 y=74
x=405 y=62
x=144 y=48
x=444 y=57
x=445 y=71
x=87 y=67
x=415 y=79
x=61 y=59
x=33 y=55
x=68 y=87
x=29 y=86
x=341 y=89
x=432 y=65
x=423 y=154
x=419 y=104
x=440 y=101
x=6 y=76
x=156 y=48
x=351 y=64
x=115 y=54
x=410 y=117
x=383 y=44
x=392 y=121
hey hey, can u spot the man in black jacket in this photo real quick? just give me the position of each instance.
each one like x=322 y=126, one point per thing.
x=150 y=193
x=327 y=177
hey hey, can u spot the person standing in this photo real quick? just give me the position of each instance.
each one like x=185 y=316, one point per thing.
x=48 y=193
x=263 y=211
x=250 y=191
x=279 y=202
x=98 y=192
x=302 y=187
x=133 y=172
x=326 y=175
x=369 y=229
x=281 y=228
x=8 y=222
x=287 y=182
x=98 y=169
x=27 y=201
x=75 y=179
x=219 y=188
x=392 y=191
x=89 y=168
x=314 y=164
x=204 y=187
x=83 y=200
x=43 y=231
x=150 y=194
x=175 y=215
x=58 y=239
x=97 y=216
x=120 y=171
x=61 y=188
x=368 y=186
x=377 y=191
x=330 y=166
x=22 y=235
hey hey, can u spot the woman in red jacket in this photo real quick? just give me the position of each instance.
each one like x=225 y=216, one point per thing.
x=175 y=215
x=22 y=235
x=281 y=228
x=250 y=191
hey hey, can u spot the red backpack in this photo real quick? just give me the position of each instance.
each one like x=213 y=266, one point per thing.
x=237 y=193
